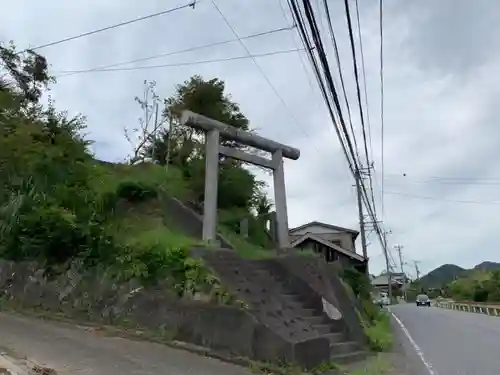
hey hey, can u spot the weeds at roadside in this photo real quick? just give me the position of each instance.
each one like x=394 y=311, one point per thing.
x=267 y=368
x=379 y=366
x=379 y=333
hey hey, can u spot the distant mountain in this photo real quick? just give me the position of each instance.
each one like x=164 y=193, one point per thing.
x=442 y=275
x=449 y=272
x=487 y=266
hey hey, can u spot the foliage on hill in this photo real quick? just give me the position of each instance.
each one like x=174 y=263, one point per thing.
x=57 y=204
x=441 y=276
x=240 y=194
x=478 y=286
x=445 y=274
x=487 y=266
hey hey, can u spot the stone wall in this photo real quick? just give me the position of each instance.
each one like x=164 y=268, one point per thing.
x=93 y=297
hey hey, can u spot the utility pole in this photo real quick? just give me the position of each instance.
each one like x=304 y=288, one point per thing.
x=399 y=249
x=417 y=270
x=361 y=219
x=388 y=266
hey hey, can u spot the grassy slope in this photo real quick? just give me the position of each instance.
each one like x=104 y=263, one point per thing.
x=144 y=223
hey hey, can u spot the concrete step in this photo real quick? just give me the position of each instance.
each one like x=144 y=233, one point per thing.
x=315 y=319
x=323 y=328
x=307 y=312
x=335 y=337
x=347 y=358
x=344 y=347
x=294 y=298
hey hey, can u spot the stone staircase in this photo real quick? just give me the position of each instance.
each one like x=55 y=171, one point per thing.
x=295 y=314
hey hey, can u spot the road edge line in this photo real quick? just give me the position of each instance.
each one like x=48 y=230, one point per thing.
x=415 y=346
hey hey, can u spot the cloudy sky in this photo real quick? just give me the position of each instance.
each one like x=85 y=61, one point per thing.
x=442 y=147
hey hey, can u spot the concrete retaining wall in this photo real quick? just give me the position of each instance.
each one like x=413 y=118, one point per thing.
x=93 y=297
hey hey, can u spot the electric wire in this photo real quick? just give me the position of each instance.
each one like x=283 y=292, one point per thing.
x=381 y=24
x=351 y=160
x=339 y=66
x=187 y=63
x=350 y=155
x=149 y=16
x=442 y=199
x=185 y=50
x=356 y=77
x=264 y=75
x=445 y=180
x=302 y=62
x=367 y=107
x=329 y=80
x=299 y=21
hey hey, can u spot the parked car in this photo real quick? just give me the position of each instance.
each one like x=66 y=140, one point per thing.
x=423 y=300
x=382 y=300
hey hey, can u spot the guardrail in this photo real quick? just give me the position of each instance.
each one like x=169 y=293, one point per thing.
x=470 y=307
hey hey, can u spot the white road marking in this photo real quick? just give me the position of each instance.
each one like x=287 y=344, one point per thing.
x=427 y=364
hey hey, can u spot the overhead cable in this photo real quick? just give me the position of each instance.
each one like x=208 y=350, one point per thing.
x=264 y=75
x=381 y=24
x=124 y=23
x=341 y=75
x=187 y=63
x=369 y=166
x=184 y=50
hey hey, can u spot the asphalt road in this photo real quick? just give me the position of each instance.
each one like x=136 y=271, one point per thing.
x=446 y=342
x=77 y=351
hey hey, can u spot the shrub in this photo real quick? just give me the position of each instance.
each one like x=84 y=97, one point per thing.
x=379 y=333
x=151 y=263
x=136 y=191
x=36 y=227
x=359 y=282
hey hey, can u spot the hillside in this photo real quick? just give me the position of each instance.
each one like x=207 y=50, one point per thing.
x=59 y=206
x=487 y=266
x=442 y=275
x=448 y=272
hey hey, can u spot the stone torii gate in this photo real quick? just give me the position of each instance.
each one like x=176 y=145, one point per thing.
x=214 y=131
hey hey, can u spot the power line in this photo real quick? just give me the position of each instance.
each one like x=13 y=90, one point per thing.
x=369 y=167
x=353 y=164
x=157 y=14
x=340 y=126
x=358 y=92
x=341 y=76
x=304 y=66
x=177 y=52
x=356 y=77
x=441 y=199
x=364 y=79
x=446 y=180
x=381 y=23
x=188 y=63
x=226 y=21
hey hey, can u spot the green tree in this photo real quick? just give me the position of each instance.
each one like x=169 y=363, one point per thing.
x=25 y=74
x=183 y=146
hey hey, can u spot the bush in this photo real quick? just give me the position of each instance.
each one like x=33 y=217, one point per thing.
x=151 y=264
x=359 y=282
x=47 y=232
x=135 y=191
